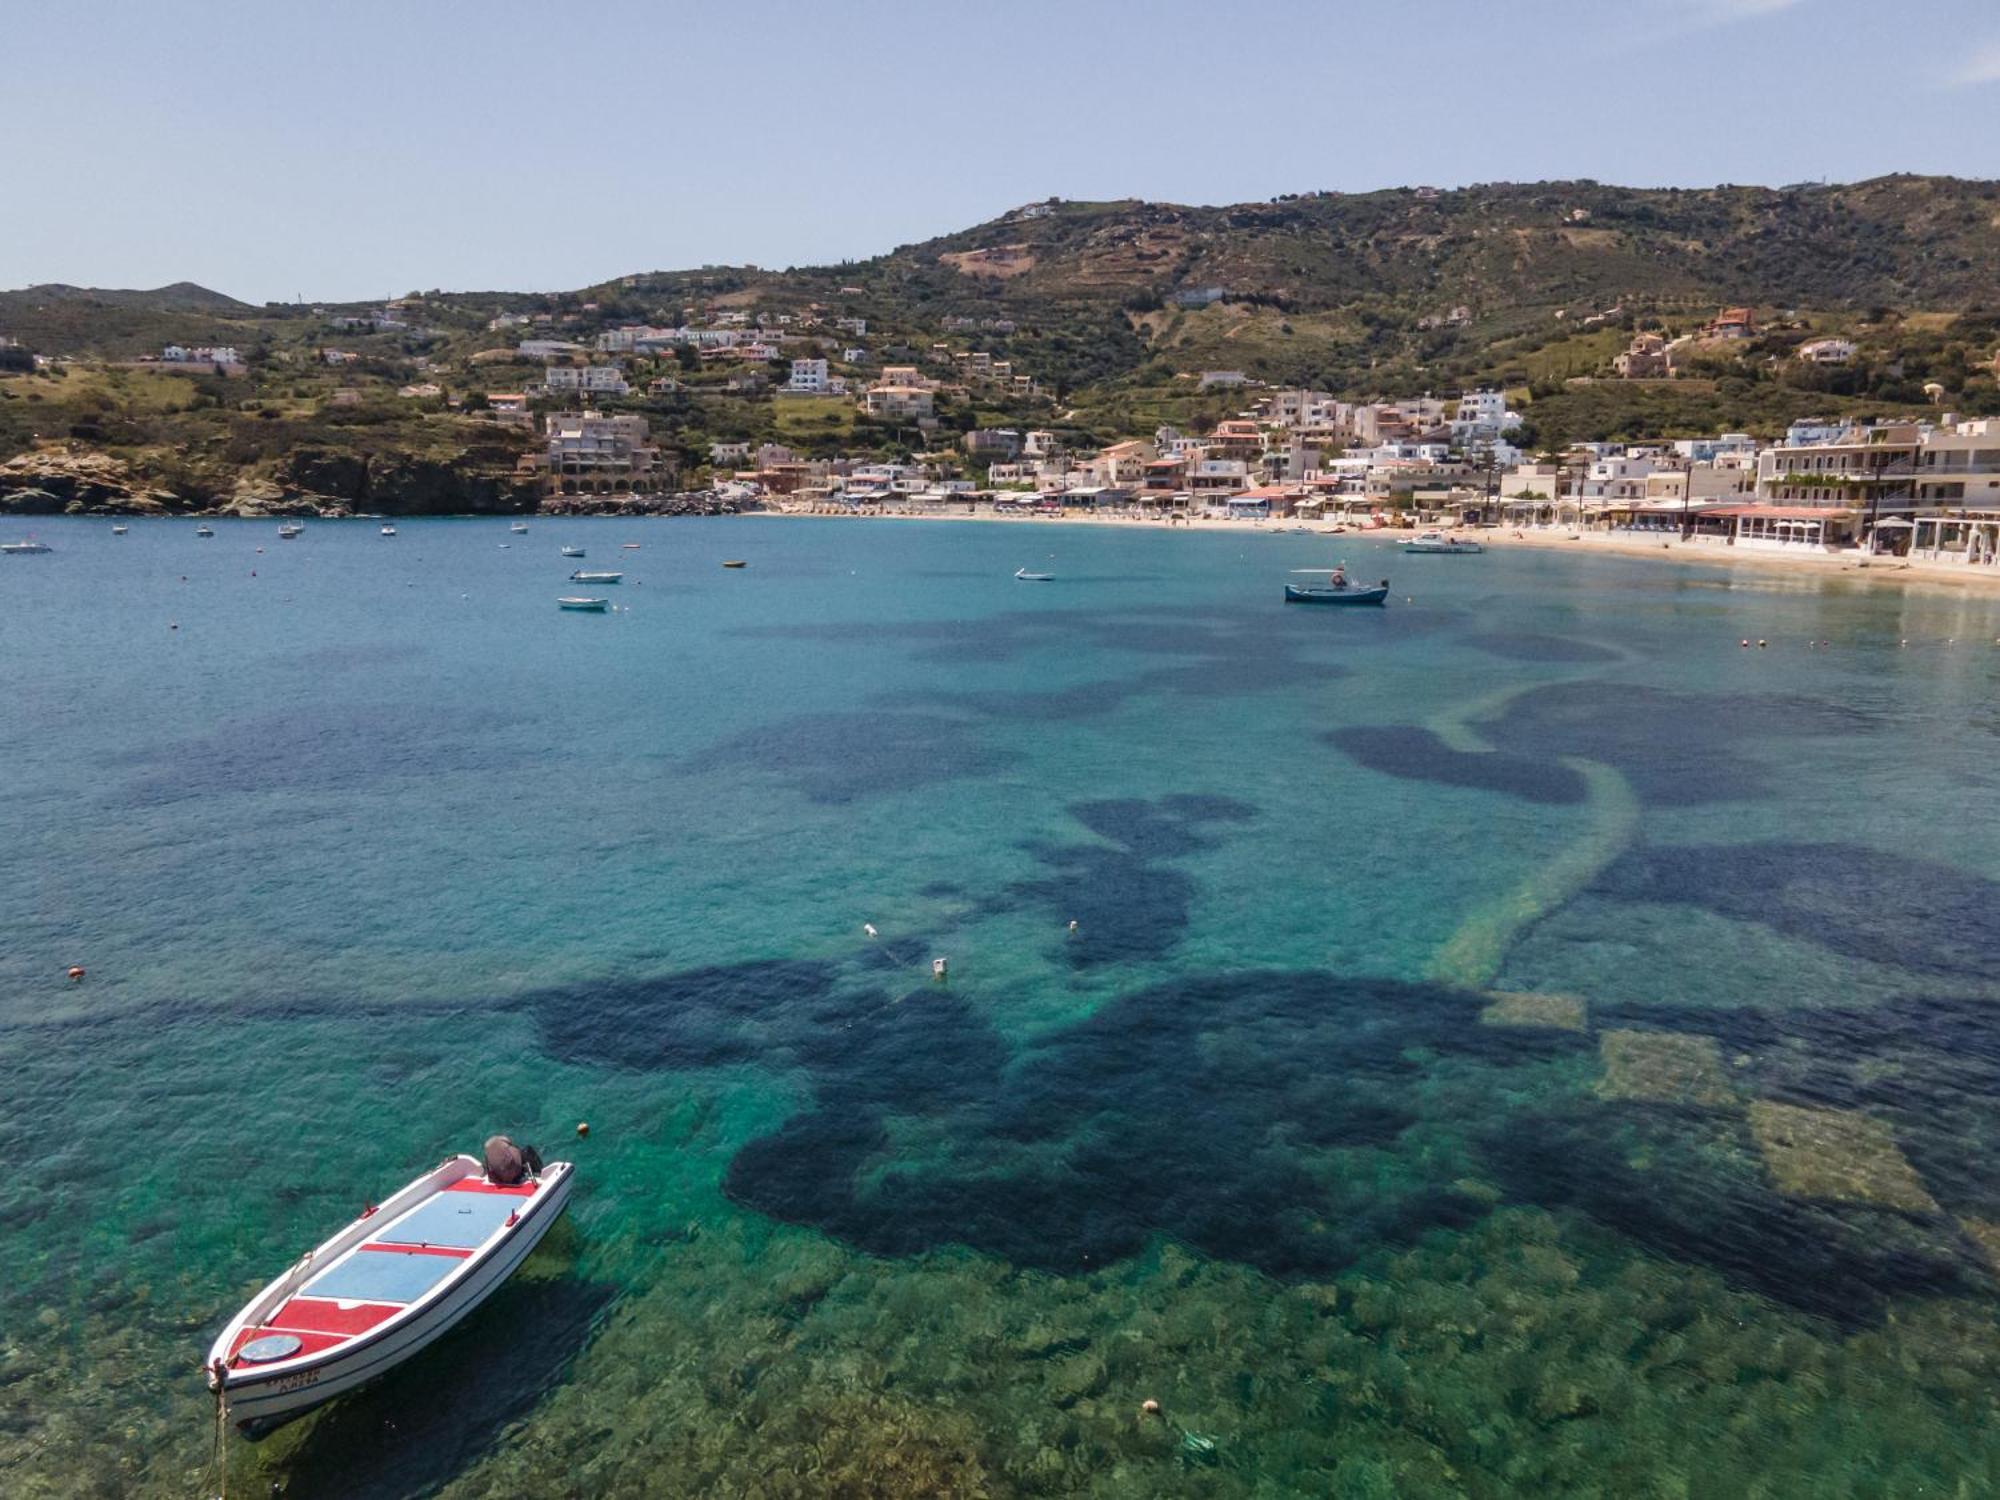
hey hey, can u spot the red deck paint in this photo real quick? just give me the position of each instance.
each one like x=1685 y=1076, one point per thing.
x=309 y=1343
x=388 y=1248
x=481 y=1185
x=324 y=1315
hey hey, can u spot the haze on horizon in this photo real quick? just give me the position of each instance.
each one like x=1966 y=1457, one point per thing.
x=366 y=150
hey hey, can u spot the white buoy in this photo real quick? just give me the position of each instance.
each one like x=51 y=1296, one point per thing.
x=939 y=966
x=869 y=928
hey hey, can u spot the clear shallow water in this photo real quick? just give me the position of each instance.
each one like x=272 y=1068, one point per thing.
x=378 y=853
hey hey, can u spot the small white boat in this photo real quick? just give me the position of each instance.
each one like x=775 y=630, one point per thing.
x=383 y=1288
x=204 y=530
x=593 y=606
x=388 y=531
x=518 y=527
x=572 y=552
x=1437 y=541
x=120 y=529
x=629 y=546
x=1026 y=577
x=582 y=577
x=289 y=530
x=22 y=549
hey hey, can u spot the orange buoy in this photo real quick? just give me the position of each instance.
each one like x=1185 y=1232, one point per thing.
x=75 y=973
x=583 y=1127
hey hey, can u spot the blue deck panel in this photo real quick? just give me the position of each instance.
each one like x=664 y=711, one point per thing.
x=460 y=1220
x=382 y=1276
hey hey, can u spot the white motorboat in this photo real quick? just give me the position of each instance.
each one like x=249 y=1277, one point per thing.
x=518 y=527
x=383 y=1288
x=22 y=549
x=629 y=546
x=1438 y=541
x=120 y=529
x=1026 y=577
x=388 y=531
x=204 y=530
x=579 y=602
x=289 y=530
x=572 y=551
x=579 y=576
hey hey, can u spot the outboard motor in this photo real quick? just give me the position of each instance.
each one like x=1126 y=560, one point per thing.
x=508 y=1164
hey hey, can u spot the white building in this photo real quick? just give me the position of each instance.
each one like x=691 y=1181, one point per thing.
x=1482 y=417
x=1618 y=479
x=593 y=380
x=808 y=377
x=201 y=354
x=1827 y=351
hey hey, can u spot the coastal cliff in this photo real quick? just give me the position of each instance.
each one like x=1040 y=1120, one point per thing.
x=311 y=482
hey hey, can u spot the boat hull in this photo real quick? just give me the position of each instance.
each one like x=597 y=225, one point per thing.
x=1296 y=595
x=258 y=1403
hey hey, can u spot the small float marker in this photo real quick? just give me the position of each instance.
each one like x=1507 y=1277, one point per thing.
x=1072 y=924
x=75 y=973
x=869 y=928
x=939 y=967
x=583 y=1127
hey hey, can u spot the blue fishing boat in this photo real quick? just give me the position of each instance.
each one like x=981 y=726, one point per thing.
x=1350 y=595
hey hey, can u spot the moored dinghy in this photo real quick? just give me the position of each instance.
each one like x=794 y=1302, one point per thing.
x=581 y=603
x=580 y=576
x=386 y=1286
x=1442 y=544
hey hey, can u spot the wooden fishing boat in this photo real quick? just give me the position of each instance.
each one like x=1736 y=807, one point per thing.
x=380 y=1290
x=735 y=562
x=1349 y=595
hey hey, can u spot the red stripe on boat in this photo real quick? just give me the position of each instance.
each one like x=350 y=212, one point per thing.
x=309 y=1343
x=324 y=1315
x=416 y=1249
x=481 y=1185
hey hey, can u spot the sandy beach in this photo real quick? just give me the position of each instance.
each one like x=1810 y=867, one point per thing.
x=1660 y=548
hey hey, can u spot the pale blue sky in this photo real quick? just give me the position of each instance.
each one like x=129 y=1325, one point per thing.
x=273 y=149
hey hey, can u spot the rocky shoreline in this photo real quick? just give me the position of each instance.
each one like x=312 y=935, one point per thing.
x=314 y=485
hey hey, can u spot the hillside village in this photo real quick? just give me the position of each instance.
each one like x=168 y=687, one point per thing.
x=1114 y=357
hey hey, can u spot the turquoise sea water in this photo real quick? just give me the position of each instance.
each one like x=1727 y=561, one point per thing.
x=1516 y=1042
